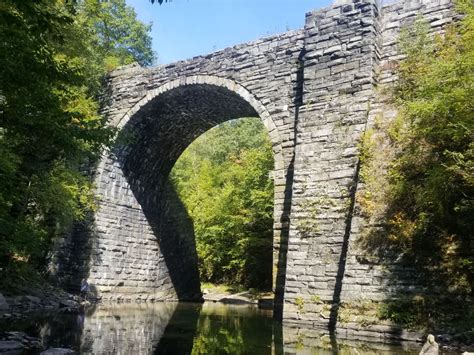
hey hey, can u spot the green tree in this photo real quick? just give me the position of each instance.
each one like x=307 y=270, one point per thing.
x=117 y=36
x=50 y=129
x=223 y=180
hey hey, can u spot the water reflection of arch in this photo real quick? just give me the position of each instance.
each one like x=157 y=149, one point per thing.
x=172 y=328
x=141 y=226
x=134 y=329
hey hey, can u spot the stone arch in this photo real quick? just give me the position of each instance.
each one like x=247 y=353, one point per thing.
x=231 y=85
x=138 y=209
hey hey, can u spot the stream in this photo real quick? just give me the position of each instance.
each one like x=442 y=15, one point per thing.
x=185 y=328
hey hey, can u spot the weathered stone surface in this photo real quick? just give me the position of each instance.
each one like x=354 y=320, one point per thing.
x=10 y=347
x=58 y=351
x=3 y=303
x=33 y=299
x=316 y=91
x=20 y=342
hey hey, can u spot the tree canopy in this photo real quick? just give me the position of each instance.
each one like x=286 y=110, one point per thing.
x=53 y=55
x=116 y=35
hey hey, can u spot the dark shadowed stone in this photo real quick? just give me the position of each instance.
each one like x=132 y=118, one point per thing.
x=33 y=299
x=68 y=303
x=57 y=351
x=10 y=347
x=3 y=303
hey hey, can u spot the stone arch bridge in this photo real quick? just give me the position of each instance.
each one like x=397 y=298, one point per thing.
x=315 y=90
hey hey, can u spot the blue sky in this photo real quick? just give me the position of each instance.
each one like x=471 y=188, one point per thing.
x=185 y=28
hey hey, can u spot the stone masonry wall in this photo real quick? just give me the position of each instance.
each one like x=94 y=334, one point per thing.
x=339 y=71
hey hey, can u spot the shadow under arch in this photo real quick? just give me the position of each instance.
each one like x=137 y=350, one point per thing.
x=152 y=135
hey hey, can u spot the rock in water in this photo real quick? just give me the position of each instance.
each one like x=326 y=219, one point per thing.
x=430 y=347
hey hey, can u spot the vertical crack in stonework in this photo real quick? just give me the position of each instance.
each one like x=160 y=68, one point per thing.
x=285 y=216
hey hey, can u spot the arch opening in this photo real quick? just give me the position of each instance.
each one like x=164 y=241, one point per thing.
x=224 y=180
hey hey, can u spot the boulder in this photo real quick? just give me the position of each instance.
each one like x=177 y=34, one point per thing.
x=430 y=347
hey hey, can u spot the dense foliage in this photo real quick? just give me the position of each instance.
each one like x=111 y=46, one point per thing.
x=223 y=180
x=117 y=37
x=53 y=55
x=429 y=188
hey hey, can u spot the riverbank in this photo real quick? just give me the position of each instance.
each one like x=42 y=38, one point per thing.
x=25 y=294
x=22 y=309
x=24 y=291
x=236 y=295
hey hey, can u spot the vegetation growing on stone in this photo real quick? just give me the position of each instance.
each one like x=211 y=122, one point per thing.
x=421 y=210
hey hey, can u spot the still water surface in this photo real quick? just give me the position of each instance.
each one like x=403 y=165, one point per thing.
x=172 y=328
